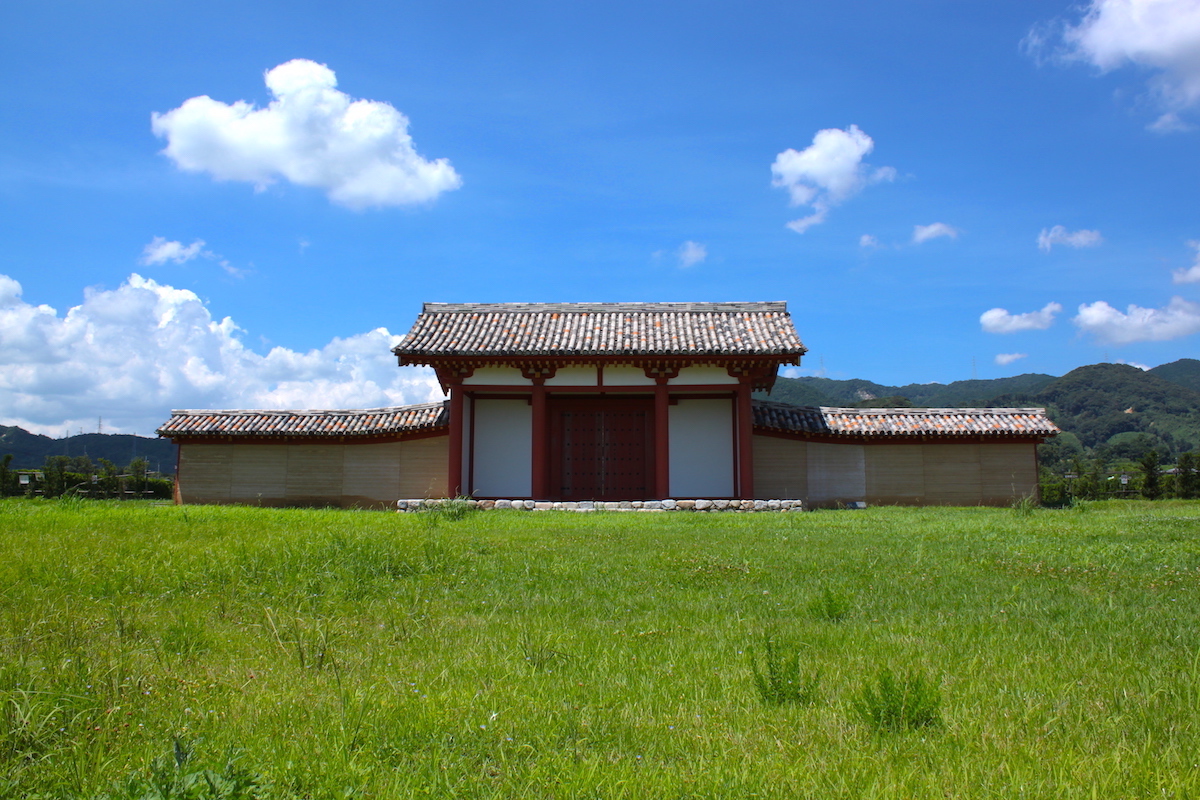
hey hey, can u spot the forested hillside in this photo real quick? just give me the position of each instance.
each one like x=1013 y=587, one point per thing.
x=1185 y=372
x=30 y=450
x=865 y=394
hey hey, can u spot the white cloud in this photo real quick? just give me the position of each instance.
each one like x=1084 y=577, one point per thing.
x=1004 y=359
x=1180 y=318
x=10 y=292
x=867 y=240
x=1170 y=123
x=801 y=372
x=923 y=233
x=1192 y=273
x=1142 y=367
x=1162 y=36
x=998 y=320
x=826 y=173
x=160 y=251
x=311 y=134
x=133 y=353
x=691 y=253
x=1060 y=235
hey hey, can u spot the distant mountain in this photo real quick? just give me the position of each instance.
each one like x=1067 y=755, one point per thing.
x=854 y=393
x=1102 y=401
x=29 y=450
x=1113 y=409
x=1185 y=372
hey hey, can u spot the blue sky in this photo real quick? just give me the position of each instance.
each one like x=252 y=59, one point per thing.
x=938 y=189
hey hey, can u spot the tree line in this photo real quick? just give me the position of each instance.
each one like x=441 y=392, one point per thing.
x=1067 y=474
x=80 y=476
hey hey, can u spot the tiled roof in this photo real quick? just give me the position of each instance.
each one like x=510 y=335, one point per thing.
x=352 y=422
x=850 y=422
x=888 y=422
x=558 y=329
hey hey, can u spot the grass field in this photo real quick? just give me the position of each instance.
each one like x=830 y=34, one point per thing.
x=325 y=654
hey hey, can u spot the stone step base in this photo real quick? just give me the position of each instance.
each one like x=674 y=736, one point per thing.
x=611 y=505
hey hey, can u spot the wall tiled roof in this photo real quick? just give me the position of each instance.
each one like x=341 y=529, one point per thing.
x=888 y=422
x=353 y=422
x=850 y=422
x=568 y=329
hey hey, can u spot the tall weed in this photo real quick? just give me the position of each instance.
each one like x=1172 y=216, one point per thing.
x=896 y=704
x=779 y=680
x=831 y=606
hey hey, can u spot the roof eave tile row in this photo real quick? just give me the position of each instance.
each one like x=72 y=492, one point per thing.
x=352 y=422
x=768 y=415
x=903 y=422
x=597 y=329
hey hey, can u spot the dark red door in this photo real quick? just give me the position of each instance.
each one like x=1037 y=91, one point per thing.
x=602 y=448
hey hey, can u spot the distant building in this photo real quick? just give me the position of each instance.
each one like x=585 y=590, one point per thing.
x=607 y=401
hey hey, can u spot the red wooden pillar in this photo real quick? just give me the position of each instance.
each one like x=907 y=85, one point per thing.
x=454 y=481
x=662 y=440
x=745 y=439
x=541 y=442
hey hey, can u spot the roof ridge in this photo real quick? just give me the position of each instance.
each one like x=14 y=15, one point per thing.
x=779 y=306
x=178 y=412
x=933 y=410
x=906 y=410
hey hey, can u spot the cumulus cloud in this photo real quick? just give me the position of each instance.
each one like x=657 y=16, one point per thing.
x=133 y=353
x=691 y=253
x=826 y=173
x=868 y=241
x=358 y=151
x=1004 y=359
x=1060 y=235
x=1162 y=36
x=160 y=251
x=998 y=320
x=1180 y=318
x=923 y=233
x=10 y=292
x=1192 y=273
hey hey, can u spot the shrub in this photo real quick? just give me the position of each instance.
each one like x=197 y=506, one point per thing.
x=895 y=704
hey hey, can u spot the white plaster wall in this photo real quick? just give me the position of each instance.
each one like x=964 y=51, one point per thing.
x=690 y=376
x=573 y=376
x=701 y=437
x=497 y=376
x=626 y=376
x=503 y=448
x=836 y=472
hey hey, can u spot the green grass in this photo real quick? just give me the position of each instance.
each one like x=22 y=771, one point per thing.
x=320 y=654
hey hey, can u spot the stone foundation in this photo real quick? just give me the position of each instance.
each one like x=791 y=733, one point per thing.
x=613 y=505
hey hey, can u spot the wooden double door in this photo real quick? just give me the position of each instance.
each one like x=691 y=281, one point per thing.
x=601 y=448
